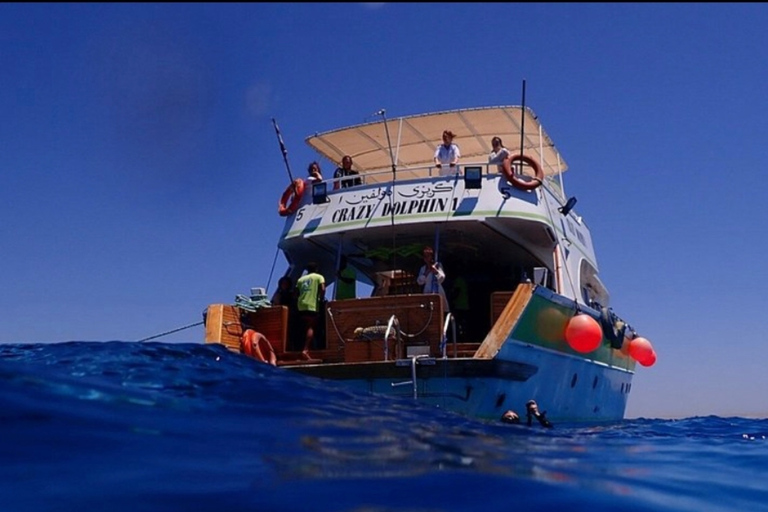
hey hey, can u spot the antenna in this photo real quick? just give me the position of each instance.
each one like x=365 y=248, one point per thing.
x=522 y=121
x=383 y=114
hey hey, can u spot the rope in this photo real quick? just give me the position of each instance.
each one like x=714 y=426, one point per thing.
x=365 y=332
x=426 y=325
x=241 y=301
x=171 y=332
x=274 y=260
x=336 y=328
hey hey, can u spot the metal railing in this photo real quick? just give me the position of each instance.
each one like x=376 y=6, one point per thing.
x=404 y=174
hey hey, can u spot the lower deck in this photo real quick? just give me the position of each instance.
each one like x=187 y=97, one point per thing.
x=403 y=345
x=370 y=329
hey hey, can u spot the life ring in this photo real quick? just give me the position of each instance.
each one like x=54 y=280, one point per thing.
x=515 y=179
x=255 y=344
x=295 y=189
x=613 y=327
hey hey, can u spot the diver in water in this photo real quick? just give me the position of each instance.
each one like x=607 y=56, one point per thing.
x=532 y=410
x=510 y=416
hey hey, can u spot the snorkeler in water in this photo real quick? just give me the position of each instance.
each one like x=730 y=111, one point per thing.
x=532 y=410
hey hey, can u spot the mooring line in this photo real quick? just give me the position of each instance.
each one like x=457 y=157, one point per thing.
x=171 y=332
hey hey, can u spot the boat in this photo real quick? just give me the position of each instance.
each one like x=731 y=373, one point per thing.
x=540 y=327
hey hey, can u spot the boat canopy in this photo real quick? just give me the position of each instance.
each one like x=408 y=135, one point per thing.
x=415 y=138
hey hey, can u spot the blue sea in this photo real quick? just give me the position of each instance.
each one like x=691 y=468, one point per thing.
x=127 y=426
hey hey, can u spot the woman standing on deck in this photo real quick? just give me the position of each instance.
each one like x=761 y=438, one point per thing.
x=313 y=173
x=499 y=154
x=447 y=155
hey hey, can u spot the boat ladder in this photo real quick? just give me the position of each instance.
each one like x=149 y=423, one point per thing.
x=413 y=361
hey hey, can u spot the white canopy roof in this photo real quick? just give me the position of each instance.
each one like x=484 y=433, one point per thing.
x=414 y=139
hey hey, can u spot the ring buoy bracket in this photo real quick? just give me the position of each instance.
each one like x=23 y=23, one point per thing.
x=516 y=179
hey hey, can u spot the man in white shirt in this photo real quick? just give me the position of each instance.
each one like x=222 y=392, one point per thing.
x=447 y=155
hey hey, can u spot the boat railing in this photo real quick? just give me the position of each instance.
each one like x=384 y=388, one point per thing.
x=409 y=173
x=402 y=174
x=450 y=322
x=393 y=327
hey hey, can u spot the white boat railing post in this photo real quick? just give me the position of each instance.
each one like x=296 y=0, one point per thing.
x=392 y=324
x=449 y=321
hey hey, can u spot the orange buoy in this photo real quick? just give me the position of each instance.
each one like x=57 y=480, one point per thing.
x=650 y=361
x=289 y=201
x=516 y=180
x=252 y=343
x=641 y=350
x=583 y=333
x=624 y=350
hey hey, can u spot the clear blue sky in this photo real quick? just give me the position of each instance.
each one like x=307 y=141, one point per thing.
x=140 y=174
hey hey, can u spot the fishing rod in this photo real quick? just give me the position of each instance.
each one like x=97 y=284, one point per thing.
x=383 y=114
x=284 y=152
x=522 y=125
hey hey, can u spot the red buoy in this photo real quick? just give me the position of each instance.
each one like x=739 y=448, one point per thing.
x=641 y=350
x=583 y=333
x=650 y=360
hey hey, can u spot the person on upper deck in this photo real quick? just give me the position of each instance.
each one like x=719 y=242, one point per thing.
x=346 y=170
x=431 y=276
x=313 y=172
x=499 y=154
x=447 y=155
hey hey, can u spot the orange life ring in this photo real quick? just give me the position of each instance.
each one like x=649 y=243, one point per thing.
x=295 y=189
x=252 y=343
x=515 y=179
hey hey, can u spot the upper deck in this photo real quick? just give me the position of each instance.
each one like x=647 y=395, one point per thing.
x=488 y=224
x=408 y=143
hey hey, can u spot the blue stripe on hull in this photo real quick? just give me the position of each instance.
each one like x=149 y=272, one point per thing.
x=569 y=388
